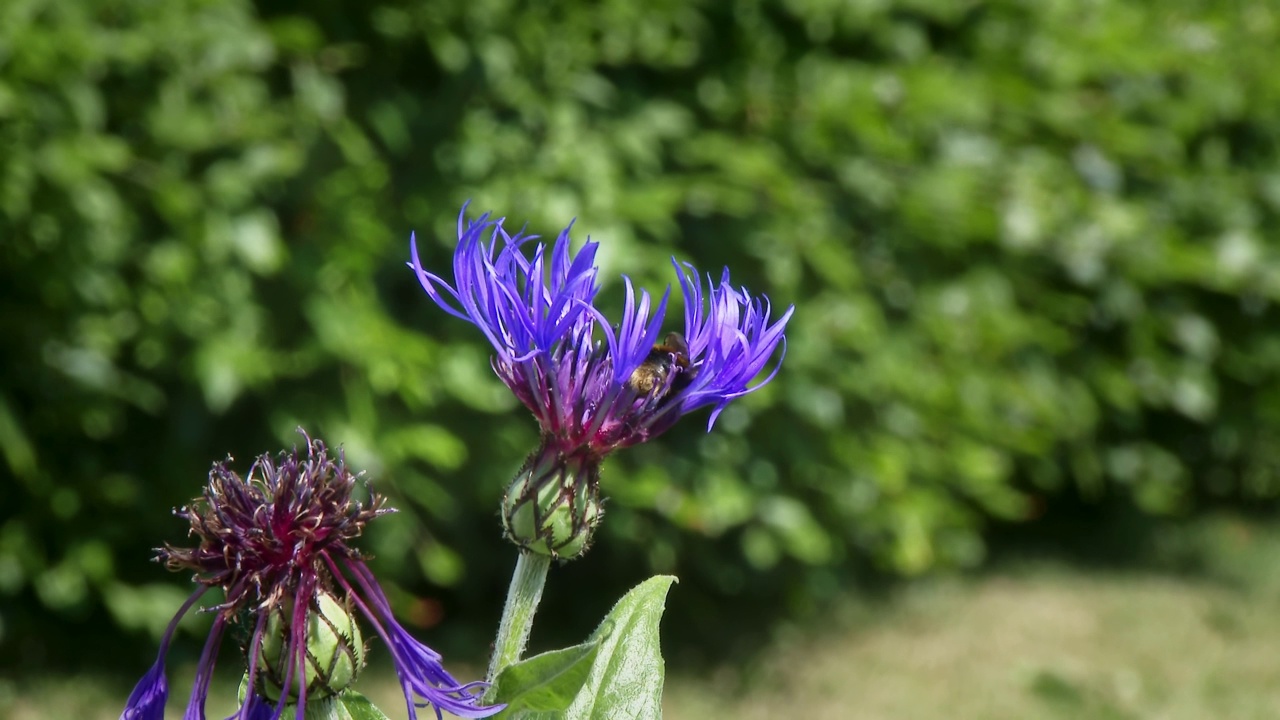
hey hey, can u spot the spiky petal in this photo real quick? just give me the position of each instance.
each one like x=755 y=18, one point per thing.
x=572 y=367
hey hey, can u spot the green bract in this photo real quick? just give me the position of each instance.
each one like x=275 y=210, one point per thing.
x=335 y=651
x=551 y=519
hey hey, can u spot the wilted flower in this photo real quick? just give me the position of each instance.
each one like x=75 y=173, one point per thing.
x=594 y=386
x=277 y=543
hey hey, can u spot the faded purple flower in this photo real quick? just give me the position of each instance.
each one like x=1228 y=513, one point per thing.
x=594 y=385
x=277 y=543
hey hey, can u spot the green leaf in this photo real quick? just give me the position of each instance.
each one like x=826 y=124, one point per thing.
x=544 y=685
x=358 y=707
x=626 y=677
x=616 y=673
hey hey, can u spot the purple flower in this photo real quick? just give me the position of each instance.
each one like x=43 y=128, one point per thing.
x=594 y=385
x=539 y=314
x=277 y=543
x=147 y=700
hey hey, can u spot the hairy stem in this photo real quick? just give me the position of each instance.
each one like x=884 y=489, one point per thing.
x=517 y=615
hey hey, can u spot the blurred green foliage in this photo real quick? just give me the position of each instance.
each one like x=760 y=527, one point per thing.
x=1027 y=241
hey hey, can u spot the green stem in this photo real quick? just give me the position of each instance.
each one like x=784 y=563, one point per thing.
x=517 y=615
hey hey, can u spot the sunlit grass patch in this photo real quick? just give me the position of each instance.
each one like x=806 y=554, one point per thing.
x=1049 y=643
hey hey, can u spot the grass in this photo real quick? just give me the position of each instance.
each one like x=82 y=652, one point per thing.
x=1028 y=641
x=1186 y=628
x=1048 y=644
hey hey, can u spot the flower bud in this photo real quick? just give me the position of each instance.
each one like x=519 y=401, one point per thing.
x=553 y=506
x=334 y=652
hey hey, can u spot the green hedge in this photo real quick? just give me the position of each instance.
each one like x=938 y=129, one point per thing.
x=1027 y=242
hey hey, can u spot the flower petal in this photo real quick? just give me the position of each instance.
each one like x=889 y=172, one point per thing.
x=149 y=696
x=423 y=678
x=538 y=311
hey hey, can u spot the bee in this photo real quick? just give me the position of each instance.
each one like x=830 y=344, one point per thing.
x=669 y=356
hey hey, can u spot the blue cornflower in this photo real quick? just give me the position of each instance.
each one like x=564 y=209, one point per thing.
x=277 y=543
x=593 y=385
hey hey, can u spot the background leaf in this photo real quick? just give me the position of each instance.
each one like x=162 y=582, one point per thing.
x=1033 y=249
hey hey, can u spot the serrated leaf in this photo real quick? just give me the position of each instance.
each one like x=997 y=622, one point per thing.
x=541 y=687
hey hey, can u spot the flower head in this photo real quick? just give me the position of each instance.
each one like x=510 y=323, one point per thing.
x=277 y=543
x=595 y=385
x=591 y=383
